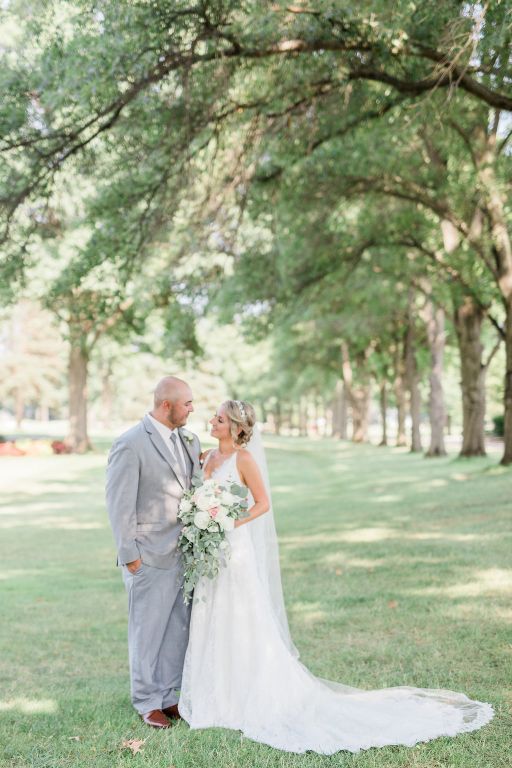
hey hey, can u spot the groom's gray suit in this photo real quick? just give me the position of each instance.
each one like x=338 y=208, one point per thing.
x=144 y=488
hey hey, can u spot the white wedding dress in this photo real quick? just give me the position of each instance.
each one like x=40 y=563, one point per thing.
x=241 y=673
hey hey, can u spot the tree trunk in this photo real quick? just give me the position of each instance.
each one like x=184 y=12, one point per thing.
x=19 y=407
x=78 y=362
x=335 y=415
x=327 y=410
x=383 y=412
x=496 y=198
x=435 y=321
x=468 y=319
x=303 y=417
x=288 y=418
x=507 y=453
x=43 y=412
x=343 y=413
x=360 y=402
x=358 y=398
x=339 y=411
x=400 y=396
x=106 y=398
x=316 y=416
x=277 y=418
x=412 y=379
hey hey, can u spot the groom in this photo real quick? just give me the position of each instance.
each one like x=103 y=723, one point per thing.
x=149 y=468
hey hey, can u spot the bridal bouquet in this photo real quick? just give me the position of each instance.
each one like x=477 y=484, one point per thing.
x=207 y=513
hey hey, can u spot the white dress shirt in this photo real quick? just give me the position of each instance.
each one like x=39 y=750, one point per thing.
x=166 y=433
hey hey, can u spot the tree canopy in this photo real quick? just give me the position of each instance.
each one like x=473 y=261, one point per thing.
x=328 y=175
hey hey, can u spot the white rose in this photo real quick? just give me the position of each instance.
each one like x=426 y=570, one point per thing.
x=225 y=522
x=206 y=502
x=221 y=514
x=198 y=493
x=228 y=499
x=186 y=505
x=202 y=520
x=206 y=489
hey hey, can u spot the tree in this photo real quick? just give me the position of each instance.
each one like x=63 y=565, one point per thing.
x=247 y=71
x=32 y=361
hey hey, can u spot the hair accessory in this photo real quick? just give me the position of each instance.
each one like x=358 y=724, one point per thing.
x=241 y=409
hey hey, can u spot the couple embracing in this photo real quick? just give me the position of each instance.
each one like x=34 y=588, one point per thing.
x=227 y=659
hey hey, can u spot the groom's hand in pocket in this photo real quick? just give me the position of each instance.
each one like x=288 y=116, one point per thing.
x=134 y=565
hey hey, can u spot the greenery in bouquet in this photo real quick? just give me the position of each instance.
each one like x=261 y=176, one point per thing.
x=208 y=512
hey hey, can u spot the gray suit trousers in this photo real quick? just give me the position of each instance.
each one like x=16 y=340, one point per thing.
x=158 y=627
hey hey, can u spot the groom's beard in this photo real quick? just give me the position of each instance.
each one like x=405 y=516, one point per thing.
x=175 y=420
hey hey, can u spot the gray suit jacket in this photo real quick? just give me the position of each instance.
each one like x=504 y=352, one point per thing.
x=143 y=493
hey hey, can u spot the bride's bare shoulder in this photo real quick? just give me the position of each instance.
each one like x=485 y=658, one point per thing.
x=244 y=458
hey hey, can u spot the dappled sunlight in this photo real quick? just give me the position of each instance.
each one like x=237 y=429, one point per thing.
x=340 y=559
x=29 y=706
x=477 y=611
x=34 y=508
x=437 y=482
x=377 y=534
x=354 y=539
x=496 y=470
x=460 y=477
x=49 y=521
x=283 y=489
x=34 y=475
x=492 y=581
x=341 y=468
x=387 y=479
x=17 y=573
x=42 y=487
x=367 y=535
x=503 y=614
x=437 y=536
x=307 y=613
x=359 y=535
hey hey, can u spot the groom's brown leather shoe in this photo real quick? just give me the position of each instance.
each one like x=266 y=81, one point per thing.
x=172 y=712
x=156 y=719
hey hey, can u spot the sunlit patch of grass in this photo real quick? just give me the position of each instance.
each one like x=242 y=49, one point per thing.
x=28 y=706
x=493 y=581
x=396 y=571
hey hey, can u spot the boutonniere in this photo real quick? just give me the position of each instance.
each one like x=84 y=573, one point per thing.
x=188 y=436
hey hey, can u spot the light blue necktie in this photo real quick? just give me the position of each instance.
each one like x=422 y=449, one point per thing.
x=177 y=454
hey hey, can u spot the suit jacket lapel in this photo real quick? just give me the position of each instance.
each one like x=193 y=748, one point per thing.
x=164 y=452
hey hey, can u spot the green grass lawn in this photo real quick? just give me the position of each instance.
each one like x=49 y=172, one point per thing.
x=397 y=570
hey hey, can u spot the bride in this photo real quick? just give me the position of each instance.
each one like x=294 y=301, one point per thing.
x=242 y=670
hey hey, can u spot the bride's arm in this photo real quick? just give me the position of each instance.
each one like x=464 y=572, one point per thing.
x=251 y=477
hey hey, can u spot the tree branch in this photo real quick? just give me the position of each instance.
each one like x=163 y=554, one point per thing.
x=501 y=337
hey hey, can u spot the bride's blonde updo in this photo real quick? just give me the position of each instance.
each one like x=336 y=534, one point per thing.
x=242 y=419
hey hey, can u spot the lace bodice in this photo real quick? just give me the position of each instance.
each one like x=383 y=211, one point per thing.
x=228 y=470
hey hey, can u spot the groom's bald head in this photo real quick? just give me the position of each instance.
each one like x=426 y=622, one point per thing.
x=170 y=388
x=172 y=401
